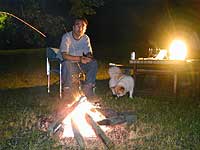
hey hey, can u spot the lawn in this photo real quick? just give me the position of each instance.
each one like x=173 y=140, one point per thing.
x=164 y=121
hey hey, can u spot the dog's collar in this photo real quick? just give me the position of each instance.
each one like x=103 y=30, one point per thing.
x=120 y=78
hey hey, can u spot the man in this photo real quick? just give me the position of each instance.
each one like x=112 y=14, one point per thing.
x=73 y=46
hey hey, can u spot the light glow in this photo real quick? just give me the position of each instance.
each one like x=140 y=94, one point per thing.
x=162 y=54
x=177 y=50
x=78 y=116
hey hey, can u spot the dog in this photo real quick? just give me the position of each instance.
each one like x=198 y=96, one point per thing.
x=119 y=83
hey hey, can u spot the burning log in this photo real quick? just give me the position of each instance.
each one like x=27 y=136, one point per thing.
x=79 y=138
x=53 y=127
x=99 y=133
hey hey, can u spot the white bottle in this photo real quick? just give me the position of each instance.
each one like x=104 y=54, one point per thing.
x=133 y=56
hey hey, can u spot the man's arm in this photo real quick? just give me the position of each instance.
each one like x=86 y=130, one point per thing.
x=81 y=59
x=70 y=57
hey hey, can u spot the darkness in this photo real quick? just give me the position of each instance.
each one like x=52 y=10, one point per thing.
x=125 y=25
x=122 y=26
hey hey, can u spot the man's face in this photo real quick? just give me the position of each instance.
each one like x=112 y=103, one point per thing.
x=79 y=27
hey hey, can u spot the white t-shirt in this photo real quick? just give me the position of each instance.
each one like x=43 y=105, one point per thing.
x=75 y=47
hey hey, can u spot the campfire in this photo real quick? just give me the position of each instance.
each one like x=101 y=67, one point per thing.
x=78 y=117
x=85 y=121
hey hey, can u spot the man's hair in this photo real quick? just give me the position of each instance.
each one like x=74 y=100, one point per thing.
x=82 y=19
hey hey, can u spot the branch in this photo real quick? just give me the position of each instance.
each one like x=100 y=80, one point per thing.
x=2 y=12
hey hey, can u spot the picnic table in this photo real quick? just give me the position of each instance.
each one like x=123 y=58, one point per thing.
x=173 y=67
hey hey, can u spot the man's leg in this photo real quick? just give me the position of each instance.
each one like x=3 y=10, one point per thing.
x=91 y=70
x=68 y=68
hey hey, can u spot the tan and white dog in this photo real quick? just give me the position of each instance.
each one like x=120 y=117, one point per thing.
x=119 y=83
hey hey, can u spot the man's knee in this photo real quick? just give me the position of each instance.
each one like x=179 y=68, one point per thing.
x=66 y=64
x=93 y=64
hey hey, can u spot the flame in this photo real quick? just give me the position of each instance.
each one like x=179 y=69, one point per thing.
x=78 y=116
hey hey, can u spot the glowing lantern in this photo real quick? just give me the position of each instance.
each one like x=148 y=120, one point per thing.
x=177 y=50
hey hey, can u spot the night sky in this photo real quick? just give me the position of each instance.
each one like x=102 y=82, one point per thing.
x=136 y=25
x=140 y=24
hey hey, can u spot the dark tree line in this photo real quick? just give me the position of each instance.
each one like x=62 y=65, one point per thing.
x=116 y=25
x=51 y=17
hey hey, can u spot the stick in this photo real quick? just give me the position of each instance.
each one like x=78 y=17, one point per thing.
x=99 y=132
x=119 y=119
x=77 y=135
x=53 y=127
x=2 y=12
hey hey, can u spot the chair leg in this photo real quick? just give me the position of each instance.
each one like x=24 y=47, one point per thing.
x=94 y=90
x=48 y=84
x=60 y=80
x=48 y=76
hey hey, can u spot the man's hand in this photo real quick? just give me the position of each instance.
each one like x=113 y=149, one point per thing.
x=85 y=60
x=89 y=55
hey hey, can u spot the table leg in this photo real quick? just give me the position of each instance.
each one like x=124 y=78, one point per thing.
x=134 y=75
x=175 y=82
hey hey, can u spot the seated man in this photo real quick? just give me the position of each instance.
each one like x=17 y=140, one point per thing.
x=76 y=50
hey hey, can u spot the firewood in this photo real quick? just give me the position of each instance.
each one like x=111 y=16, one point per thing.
x=77 y=135
x=55 y=125
x=112 y=121
x=119 y=119
x=99 y=132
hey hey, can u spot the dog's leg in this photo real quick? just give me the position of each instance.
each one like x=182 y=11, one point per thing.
x=113 y=90
x=131 y=94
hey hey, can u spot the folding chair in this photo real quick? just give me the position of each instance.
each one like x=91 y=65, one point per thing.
x=51 y=68
x=51 y=57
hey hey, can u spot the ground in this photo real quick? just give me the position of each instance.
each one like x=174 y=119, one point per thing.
x=164 y=121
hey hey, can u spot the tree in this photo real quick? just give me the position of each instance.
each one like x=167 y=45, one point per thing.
x=3 y=18
x=39 y=14
x=85 y=7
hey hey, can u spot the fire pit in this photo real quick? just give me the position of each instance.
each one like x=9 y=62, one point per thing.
x=88 y=124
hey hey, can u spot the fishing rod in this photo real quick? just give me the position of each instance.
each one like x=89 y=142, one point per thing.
x=26 y=23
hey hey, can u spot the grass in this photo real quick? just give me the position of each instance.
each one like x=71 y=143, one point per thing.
x=164 y=121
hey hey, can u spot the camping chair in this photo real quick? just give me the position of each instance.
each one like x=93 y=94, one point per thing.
x=77 y=77
x=51 y=58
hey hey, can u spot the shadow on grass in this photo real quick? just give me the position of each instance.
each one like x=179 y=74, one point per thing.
x=32 y=97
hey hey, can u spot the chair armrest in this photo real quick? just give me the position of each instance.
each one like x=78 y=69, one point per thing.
x=53 y=54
